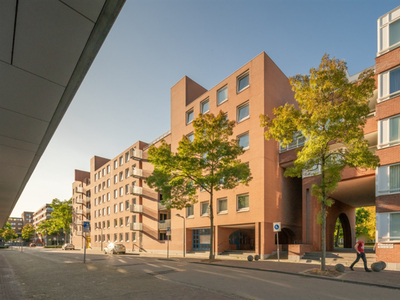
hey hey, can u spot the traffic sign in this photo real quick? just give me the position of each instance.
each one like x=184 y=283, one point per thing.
x=86 y=226
x=277 y=226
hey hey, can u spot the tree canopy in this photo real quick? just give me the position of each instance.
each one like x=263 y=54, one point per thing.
x=62 y=216
x=330 y=116
x=28 y=231
x=7 y=233
x=210 y=162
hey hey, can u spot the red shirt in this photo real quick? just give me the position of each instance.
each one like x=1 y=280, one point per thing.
x=360 y=247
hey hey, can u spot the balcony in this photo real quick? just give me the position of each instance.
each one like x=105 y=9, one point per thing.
x=136 y=208
x=164 y=224
x=78 y=222
x=297 y=142
x=136 y=226
x=79 y=190
x=87 y=210
x=136 y=190
x=136 y=154
x=87 y=199
x=79 y=201
x=78 y=233
x=316 y=170
x=137 y=173
x=79 y=212
x=161 y=206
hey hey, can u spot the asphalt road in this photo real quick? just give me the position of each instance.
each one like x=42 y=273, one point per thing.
x=55 y=274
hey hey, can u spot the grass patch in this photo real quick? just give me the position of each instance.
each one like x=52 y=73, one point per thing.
x=52 y=246
x=4 y=247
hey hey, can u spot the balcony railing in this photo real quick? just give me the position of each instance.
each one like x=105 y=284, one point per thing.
x=138 y=173
x=136 y=226
x=297 y=142
x=87 y=199
x=313 y=172
x=80 y=201
x=164 y=224
x=136 y=190
x=87 y=210
x=136 y=154
x=136 y=208
x=79 y=189
x=79 y=212
x=78 y=233
x=78 y=222
x=161 y=206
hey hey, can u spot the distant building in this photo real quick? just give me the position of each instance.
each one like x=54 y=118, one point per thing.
x=41 y=215
x=16 y=224
x=27 y=217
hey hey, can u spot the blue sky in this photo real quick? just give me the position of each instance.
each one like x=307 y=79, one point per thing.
x=125 y=96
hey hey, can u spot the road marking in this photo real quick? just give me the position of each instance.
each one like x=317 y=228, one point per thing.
x=155 y=266
x=217 y=274
x=165 y=266
x=269 y=281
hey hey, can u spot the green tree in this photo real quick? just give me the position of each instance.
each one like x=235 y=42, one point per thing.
x=7 y=233
x=365 y=222
x=54 y=227
x=338 y=232
x=209 y=163
x=62 y=212
x=43 y=228
x=330 y=111
x=28 y=231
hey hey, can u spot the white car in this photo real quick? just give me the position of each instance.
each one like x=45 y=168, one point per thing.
x=114 y=249
x=68 y=247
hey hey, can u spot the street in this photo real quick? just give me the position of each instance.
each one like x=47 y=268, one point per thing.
x=55 y=274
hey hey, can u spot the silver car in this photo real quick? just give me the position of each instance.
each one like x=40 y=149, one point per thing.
x=68 y=247
x=114 y=249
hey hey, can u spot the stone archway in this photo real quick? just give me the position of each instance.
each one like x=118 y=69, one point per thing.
x=347 y=241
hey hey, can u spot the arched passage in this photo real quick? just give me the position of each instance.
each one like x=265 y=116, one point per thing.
x=346 y=228
x=286 y=237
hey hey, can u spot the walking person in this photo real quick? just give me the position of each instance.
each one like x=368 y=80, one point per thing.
x=359 y=246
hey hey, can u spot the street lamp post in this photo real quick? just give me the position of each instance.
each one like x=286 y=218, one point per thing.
x=184 y=233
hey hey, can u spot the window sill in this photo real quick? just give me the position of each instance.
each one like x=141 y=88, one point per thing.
x=225 y=212
x=243 y=89
x=243 y=210
x=189 y=122
x=242 y=120
x=190 y=217
x=205 y=215
x=218 y=104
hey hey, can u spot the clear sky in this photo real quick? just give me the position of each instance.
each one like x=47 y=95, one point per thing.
x=125 y=96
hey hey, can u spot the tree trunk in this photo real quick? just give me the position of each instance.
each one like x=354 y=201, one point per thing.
x=323 y=216
x=211 y=212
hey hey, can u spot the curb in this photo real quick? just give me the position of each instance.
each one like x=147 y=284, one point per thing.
x=303 y=275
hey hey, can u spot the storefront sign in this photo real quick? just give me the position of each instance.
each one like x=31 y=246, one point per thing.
x=385 y=246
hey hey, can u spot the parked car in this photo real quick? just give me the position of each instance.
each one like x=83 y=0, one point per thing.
x=114 y=249
x=68 y=247
x=32 y=245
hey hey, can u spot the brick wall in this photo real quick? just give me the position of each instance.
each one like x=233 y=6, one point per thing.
x=388 y=108
x=388 y=203
x=389 y=155
x=388 y=255
x=387 y=61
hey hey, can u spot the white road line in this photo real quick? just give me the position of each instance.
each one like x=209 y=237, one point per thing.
x=218 y=274
x=155 y=266
x=165 y=266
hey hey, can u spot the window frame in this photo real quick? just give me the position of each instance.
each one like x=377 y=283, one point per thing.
x=238 y=108
x=242 y=135
x=206 y=214
x=187 y=115
x=206 y=100
x=225 y=87
x=222 y=212
x=237 y=203
x=239 y=78
x=191 y=207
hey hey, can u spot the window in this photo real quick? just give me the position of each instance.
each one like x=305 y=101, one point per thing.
x=191 y=137
x=121 y=206
x=104 y=198
x=99 y=174
x=104 y=224
x=394 y=33
x=127 y=204
x=95 y=238
x=121 y=191
x=108 y=196
x=115 y=222
x=108 y=223
x=115 y=194
x=133 y=236
x=115 y=237
x=189 y=116
x=127 y=236
x=104 y=211
x=104 y=171
x=243 y=202
x=108 y=210
x=204 y=208
x=99 y=212
x=108 y=182
x=222 y=95
x=95 y=201
x=121 y=161
x=104 y=185
x=389 y=84
x=126 y=156
x=205 y=106
x=222 y=206
x=243 y=112
x=126 y=173
x=127 y=221
x=394 y=178
x=95 y=214
x=115 y=179
x=121 y=237
x=115 y=164
x=95 y=189
x=133 y=219
x=389 y=132
x=163 y=236
x=115 y=208
x=244 y=141
x=121 y=176
x=190 y=211
x=95 y=177
x=242 y=82
x=395 y=226
x=108 y=169
x=99 y=187
x=121 y=222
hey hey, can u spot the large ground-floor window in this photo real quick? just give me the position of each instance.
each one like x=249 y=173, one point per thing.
x=201 y=239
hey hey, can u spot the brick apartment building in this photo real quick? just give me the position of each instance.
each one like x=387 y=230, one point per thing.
x=27 y=217
x=114 y=197
x=16 y=224
x=41 y=215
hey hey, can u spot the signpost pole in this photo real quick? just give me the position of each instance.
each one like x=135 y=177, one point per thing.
x=277 y=228
x=277 y=239
x=168 y=235
x=84 y=251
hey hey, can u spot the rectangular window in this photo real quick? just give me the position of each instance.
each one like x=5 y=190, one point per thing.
x=394 y=129
x=133 y=236
x=108 y=223
x=115 y=222
x=108 y=182
x=189 y=116
x=115 y=179
x=127 y=221
x=394 y=85
x=104 y=185
x=95 y=177
x=222 y=95
x=190 y=211
x=126 y=173
x=242 y=81
x=205 y=106
x=121 y=161
x=108 y=196
x=115 y=208
x=204 y=208
x=243 y=202
x=127 y=189
x=191 y=137
x=121 y=176
x=115 y=237
x=115 y=194
x=108 y=169
x=108 y=238
x=223 y=206
x=127 y=237
x=99 y=174
x=395 y=226
x=121 y=206
x=126 y=204
x=121 y=237
x=126 y=156
x=95 y=201
x=99 y=187
x=115 y=164
x=104 y=171
x=244 y=141
x=108 y=210
x=243 y=112
x=133 y=219
x=121 y=222
x=394 y=180
x=95 y=189
x=104 y=211
x=394 y=33
x=121 y=191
